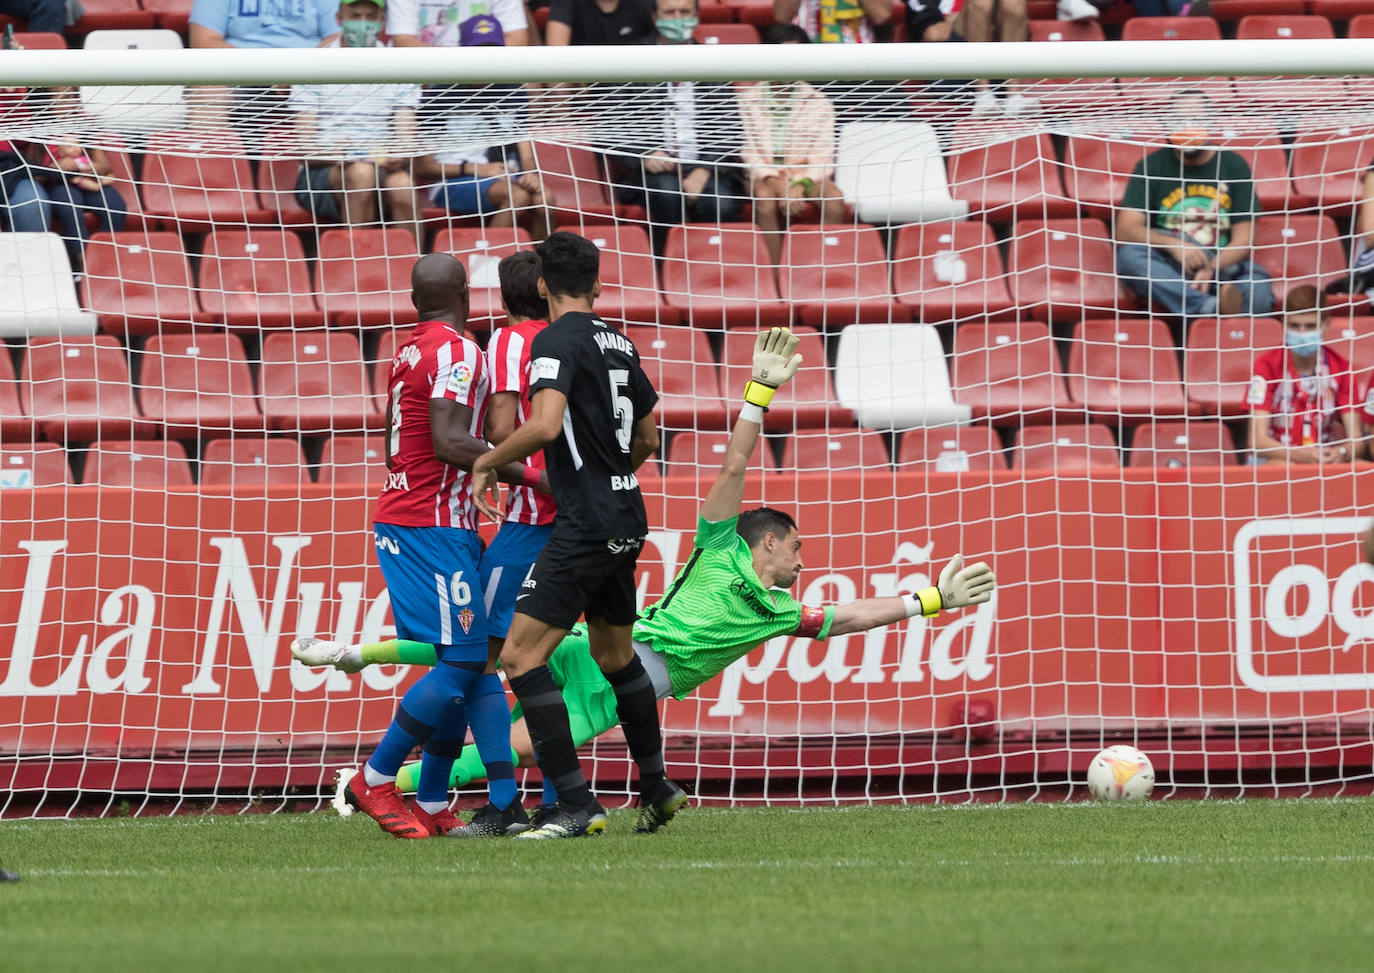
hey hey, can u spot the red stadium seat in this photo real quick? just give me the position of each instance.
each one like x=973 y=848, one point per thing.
x=1126 y=369
x=1297 y=250
x=1263 y=151
x=719 y=275
x=1016 y=178
x=628 y=291
x=950 y=272
x=678 y=361
x=1062 y=30
x=726 y=34
x=171 y=14
x=1196 y=442
x=257 y=279
x=756 y=12
x=33 y=465
x=1328 y=166
x=316 y=381
x=1065 y=269
x=953 y=449
x=704 y=451
x=576 y=180
x=276 y=184
x=198 y=385
x=78 y=389
x=195 y=180
x=363 y=276
x=14 y=421
x=39 y=40
x=808 y=401
x=111 y=15
x=1353 y=338
x=354 y=459
x=253 y=463
x=1097 y=168
x=1238 y=9
x=481 y=251
x=1065 y=447
x=1361 y=25
x=1283 y=27
x=1219 y=359
x=152 y=465
x=835 y=277
x=1009 y=373
x=122 y=171
x=844 y=449
x=140 y=283
x=1171 y=29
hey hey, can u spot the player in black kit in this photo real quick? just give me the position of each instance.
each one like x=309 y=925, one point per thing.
x=591 y=411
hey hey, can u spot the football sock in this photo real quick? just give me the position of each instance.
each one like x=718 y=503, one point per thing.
x=466 y=769
x=440 y=751
x=637 y=705
x=423 y=708
x=395 y=651
x=550 y=795
x=490 y=717
x=546 y=716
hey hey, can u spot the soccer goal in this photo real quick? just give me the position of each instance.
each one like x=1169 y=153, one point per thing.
x=191 y=420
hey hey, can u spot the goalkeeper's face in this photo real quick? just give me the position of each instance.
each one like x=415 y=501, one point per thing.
x=782 y=558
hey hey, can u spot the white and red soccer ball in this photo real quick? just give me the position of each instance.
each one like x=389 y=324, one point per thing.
x=1121 y=773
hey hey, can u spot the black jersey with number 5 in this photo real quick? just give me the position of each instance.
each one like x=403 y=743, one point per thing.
x=598 y=369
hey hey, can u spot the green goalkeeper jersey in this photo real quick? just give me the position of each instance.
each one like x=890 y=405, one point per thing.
x=717 y=610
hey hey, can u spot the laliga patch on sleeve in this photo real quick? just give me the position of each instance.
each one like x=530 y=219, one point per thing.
x=460 y=380
x=1257 y=390
x=544 y=368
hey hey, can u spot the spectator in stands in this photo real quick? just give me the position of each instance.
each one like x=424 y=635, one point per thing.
x=353 y=123
x=789 y=149
x=689 y=178
x=66 y=181
x=1301 y=399
x=838 y=21
x=599 y=22
x=977 y=21
x=1185 y=224
x=488 y=168
x=39 y=15
x=445 y=23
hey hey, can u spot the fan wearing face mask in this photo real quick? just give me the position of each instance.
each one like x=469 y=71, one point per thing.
x=1183 y=231
x=1302 y=407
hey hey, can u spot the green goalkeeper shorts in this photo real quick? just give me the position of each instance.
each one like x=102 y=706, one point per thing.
x=590 y=698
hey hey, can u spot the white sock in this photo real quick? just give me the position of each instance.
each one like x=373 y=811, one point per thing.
x=432 y=807
x=353 y=655
x=372 y=778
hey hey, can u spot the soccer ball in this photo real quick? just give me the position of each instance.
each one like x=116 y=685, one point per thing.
x=1121 y=773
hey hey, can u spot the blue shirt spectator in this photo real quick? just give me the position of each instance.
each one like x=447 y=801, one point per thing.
x=263 y=23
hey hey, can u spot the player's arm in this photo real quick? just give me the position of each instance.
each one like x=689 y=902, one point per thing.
x=502 y=412
x=646 y=440
x=453 y=444
x=775 y=362
x=541 y=428
x=958 y=587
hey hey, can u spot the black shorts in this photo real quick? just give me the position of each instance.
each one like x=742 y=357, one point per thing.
x=573 y=576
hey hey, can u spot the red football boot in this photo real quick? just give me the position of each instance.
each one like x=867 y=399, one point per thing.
x=383 y=804
x=438 y=825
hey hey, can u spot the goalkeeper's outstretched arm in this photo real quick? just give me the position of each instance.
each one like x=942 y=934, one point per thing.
x=958 y=587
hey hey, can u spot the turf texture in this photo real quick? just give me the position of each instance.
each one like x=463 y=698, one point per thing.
x=1168 y=885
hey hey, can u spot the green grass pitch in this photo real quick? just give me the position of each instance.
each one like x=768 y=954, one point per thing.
x=1172 y=885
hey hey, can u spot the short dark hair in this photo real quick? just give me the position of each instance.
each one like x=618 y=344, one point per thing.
x=754 y=524
x=519 y=274
x=783 y=33
x=570 y=262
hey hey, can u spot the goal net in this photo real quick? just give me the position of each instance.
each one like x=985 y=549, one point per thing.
x=202 y=287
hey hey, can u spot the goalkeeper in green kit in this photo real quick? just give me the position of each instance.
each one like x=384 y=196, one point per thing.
x=729 y=598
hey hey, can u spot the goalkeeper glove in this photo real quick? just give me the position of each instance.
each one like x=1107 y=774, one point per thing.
x=775 y=362
x=958 y=587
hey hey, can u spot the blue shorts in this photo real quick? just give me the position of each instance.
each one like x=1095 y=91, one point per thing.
x=436 y=590
x=466 y=195
x=504 y=567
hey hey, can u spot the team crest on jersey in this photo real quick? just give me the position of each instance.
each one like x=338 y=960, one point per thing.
x=546 y=368
x=460 y=379
x=465 y=618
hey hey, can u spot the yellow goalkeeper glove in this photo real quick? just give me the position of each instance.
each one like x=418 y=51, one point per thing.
x=958 y=587
x=775 y=362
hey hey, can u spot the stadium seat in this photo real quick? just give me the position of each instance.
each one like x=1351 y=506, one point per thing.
x=1328 y=165
x=1299 y=249
x=1283 y=27
x=15 y=423
x=1065 y=269
x=1196 y=442
x=153 y=464
x=129 y=108
x=834 y=277
x=807 y=402
x=1098 y=167
x=702 y=452
x=1237 y=9
x=1361 y=25
x=362 y=276
x=1066 y=30
x=274 y=461
x=1219 y=360
x=198 y=181
x=1263 y=151
x=719 y=275
x=726 y=34
x=628 y=291
x=316 y=381
x=1171 y=29
x=894 y=376
x=894 y=172
x=198 y=385
x=257 y=279
x=275 y=181
x=354 y=459
x=1353 y=338
x=950 y=272
x=678 y=361
x=1008 y=373
x=759 y=13
x=39 y=40
x=140 y=283
x=37 y=290
x=99 y=16
x=24 y=465
x=481 y=251
x=1008 y=178
x=954 y=449
x=1126 y=369
x=122 y=171
x=576 y=180
x=845 y=449
x=1065 y=448
x=173 y=15
x=78 y=390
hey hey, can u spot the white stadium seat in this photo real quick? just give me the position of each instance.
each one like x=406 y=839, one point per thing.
x=135 y=109
x=894 y=376
x=37 y=291
x=893 y=172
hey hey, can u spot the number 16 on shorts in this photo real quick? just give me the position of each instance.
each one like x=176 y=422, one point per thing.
x=432 y=576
